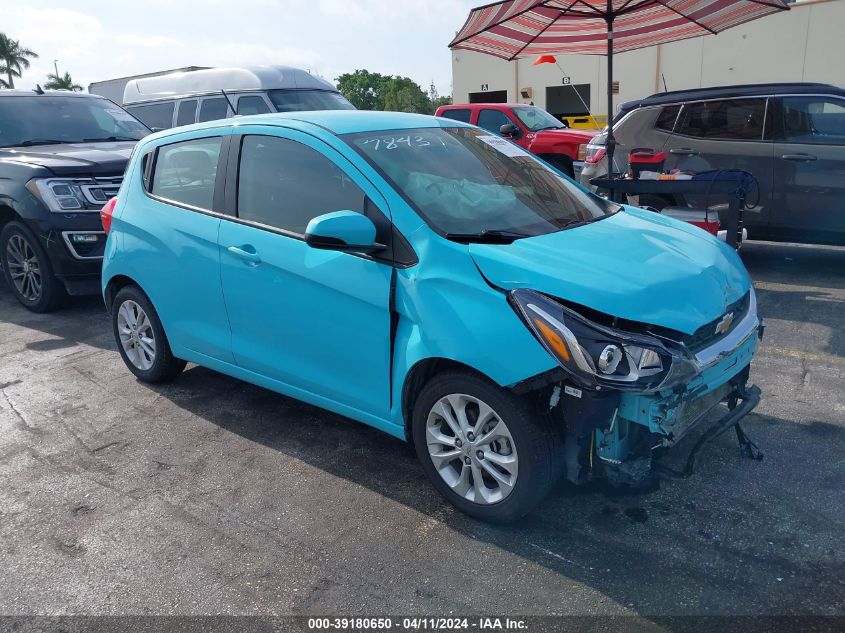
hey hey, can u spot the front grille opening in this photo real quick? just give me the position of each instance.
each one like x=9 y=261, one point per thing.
x=707 y=334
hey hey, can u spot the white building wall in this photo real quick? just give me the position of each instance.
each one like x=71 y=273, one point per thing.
x=803 y=44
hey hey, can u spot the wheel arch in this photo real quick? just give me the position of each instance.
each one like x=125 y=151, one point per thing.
x=7 y=214
x=421 y=373
x=114 y=286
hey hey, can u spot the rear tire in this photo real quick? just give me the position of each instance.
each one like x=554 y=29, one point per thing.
x=483 y=448
x=27 y=269
x=140 y=337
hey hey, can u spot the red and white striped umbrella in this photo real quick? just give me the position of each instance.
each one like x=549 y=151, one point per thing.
x=526 y=28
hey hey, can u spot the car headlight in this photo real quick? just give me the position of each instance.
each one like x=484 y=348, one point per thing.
x=598 y=356
x=58 y=194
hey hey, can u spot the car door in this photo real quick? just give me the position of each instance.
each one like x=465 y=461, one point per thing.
x=809 y=196
x=493 y=120
x=317 y=321
x=727 y=134
x=172 y=235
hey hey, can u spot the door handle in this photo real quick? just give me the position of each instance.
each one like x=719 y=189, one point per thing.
x=686 y=151
x=799 y=157
x=249 y=256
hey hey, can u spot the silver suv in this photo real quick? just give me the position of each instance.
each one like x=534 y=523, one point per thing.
x=791 y=137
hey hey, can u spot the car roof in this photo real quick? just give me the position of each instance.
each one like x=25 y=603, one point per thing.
x=500 y=106
x=210 y=80
x=334 y=122
x=747 y=90
x=17 y=92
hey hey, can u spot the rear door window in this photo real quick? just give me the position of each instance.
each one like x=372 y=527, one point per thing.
x=457 y=115
x=187 y=112
x=813 y=120
x=493 y=120
x=728 y=119
x=186 y=172
x=154 y=115
x=213 y=109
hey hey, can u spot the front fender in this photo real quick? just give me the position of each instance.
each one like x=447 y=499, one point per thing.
x=447 y=310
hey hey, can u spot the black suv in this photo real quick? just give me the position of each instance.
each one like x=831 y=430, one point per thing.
x=62 y=157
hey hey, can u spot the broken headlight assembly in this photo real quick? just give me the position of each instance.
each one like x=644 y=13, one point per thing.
x=597 y=356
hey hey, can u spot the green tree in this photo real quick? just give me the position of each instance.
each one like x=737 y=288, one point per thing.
x=14 y=58
x=61 y=82
x=363 y=89
x=402 y=94
x=374 y=91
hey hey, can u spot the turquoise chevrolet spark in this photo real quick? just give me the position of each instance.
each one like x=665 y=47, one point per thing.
x=437 y=282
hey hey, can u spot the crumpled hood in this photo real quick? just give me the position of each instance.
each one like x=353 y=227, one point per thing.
x=71 y=159
x=636 y=265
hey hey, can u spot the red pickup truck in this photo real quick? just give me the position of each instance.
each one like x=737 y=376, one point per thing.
x=531 y=127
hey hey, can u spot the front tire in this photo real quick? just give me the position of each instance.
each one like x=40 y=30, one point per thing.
x=140 y=337
x=483 y=448
x=27 y=269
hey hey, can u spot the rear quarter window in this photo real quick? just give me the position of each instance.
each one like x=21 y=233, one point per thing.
x=667 y=117
x=457 y=115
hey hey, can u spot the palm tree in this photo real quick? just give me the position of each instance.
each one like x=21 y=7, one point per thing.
x=13 y=58
x=63 y=82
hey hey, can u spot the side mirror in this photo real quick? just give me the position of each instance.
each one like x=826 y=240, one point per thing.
x=345 y=231
x=509 y=130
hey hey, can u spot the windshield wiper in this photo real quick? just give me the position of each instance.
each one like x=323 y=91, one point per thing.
x=551 y=127
x=487 y=236
x=109 y=138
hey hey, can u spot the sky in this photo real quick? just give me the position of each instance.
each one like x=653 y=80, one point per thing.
x=97 y=39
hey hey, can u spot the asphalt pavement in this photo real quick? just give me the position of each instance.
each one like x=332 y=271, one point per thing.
x=212 y=496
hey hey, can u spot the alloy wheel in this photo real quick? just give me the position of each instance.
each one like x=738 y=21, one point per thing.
x=472 y=449
x=24 y=268
x=136 y=335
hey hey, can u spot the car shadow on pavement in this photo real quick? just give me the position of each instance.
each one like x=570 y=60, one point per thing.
x=715 y=531
x=79 y=320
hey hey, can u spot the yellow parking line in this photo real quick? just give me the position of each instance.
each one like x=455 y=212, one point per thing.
x=794 y=353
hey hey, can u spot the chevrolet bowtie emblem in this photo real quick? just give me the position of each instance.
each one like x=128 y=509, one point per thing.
x=725 y=324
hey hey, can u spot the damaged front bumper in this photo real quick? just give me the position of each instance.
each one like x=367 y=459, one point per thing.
x=615 y=434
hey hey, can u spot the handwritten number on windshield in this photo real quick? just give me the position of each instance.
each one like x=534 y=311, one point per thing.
x=396 y=142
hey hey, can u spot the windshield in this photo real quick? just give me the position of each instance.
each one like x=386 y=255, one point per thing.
x=45 y=119
x=466 y=181
x=302 y=100
x=536 y=119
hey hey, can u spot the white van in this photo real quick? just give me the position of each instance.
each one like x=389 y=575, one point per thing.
x=183 y=98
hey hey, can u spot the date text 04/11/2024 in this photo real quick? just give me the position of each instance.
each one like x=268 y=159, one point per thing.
x=418 y=624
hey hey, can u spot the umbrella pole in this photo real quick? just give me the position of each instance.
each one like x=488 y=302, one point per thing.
x=610 y=144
